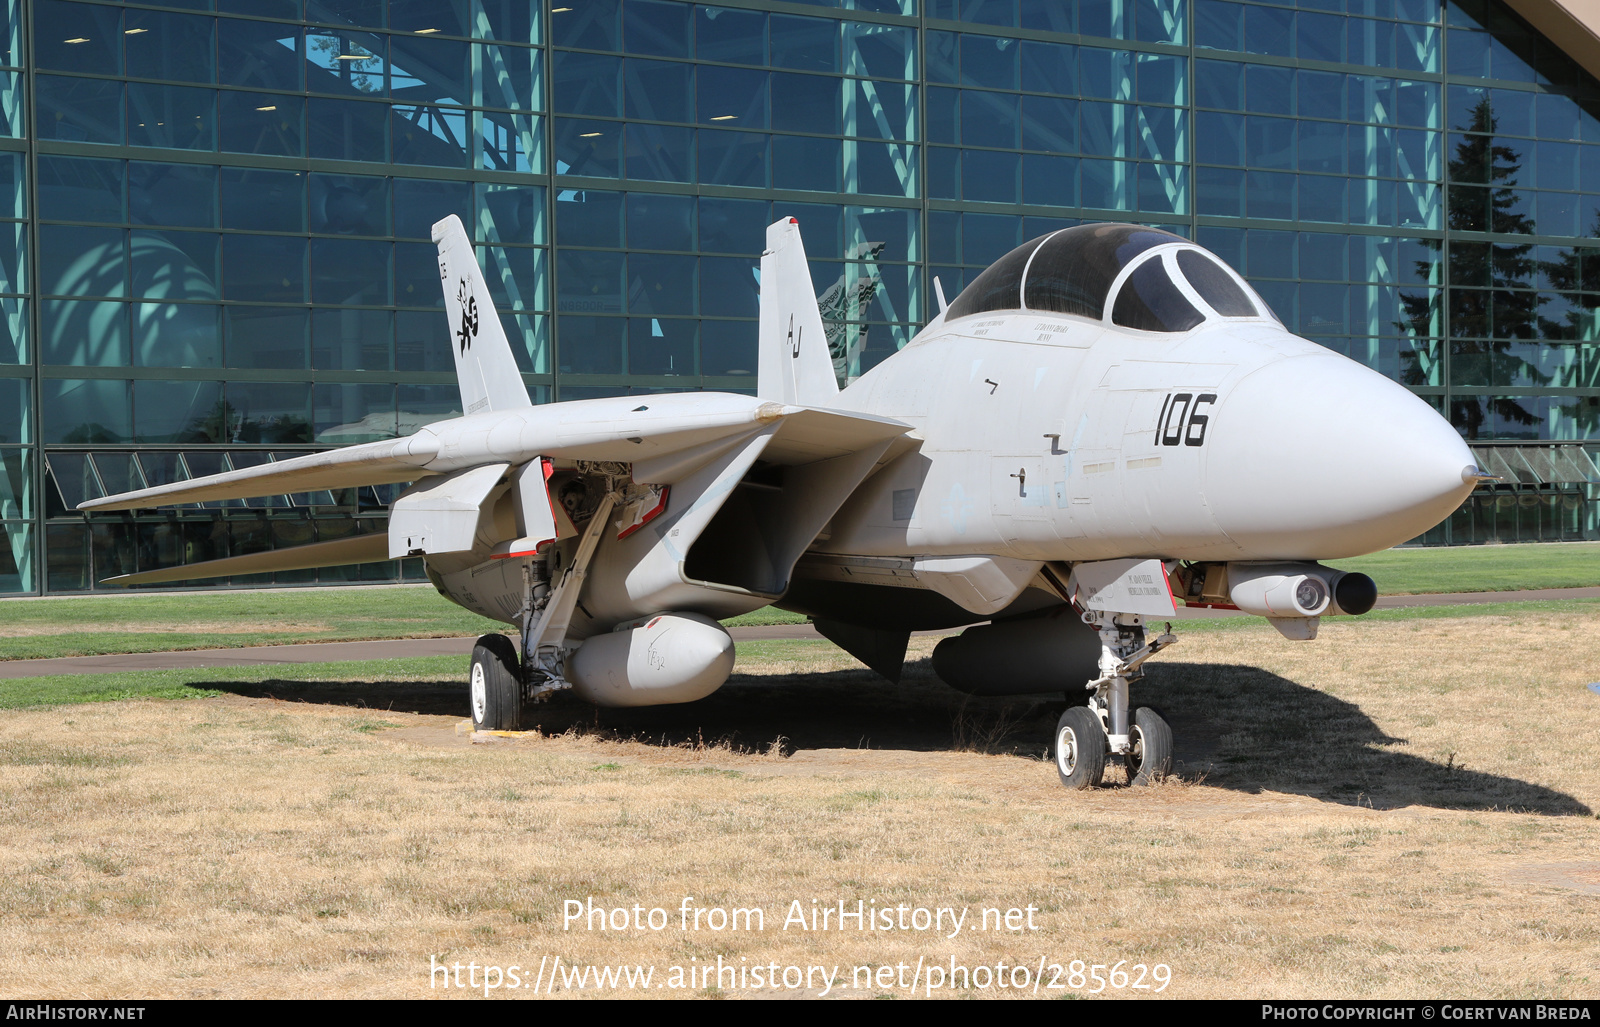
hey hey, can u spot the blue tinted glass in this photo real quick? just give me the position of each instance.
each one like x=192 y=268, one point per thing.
x=349 y=204
x=1219 y=138
x=887 y=53
x=446 y=16
x=268 y=336
x=657 y=222
x=588 y=281
x=989 y=61
x=988 y=12
x=84 y=333
x=1369 y=42
x=271 y=412
x=348 y=129
x=733 y=158
x=884 y=110
x=732 y=226
x=1049 y=67
x=736 y=37
x=943 y=59
x=77 y=37
x=346 y=63
x=658 y=90
x=1322 y=256
x=1269 y=30
x=177 y=335
x=587 y=147
x=587 y=84
x=656 y=27
x=1557 y=167
x=511 y=77
x=92 y=410
x=660 y=284
x=1050 y=124
x=78 y=110
x=350 y=271
x=173 y=265
x=82 y=261
x=1269 y=142
x=659 y=153
x=1161 y=79
x=436 y=136
x=352 y=340
x=1271 y=254
x=176 y=117
x=1106 y=184
x=736 y=97
x=1321 y=94
x=1417 y=103
x=988 y=237
x=588 y=218
x=516 y=21
x=586 y=24
x=989 y=119
x=262 y=123
x=178 y=47
x=418 y=203
x=1318 y=37
x=728 y=287
x=290 y=9
x=1322 y=198
x=1049 y=180
x=257 y=53
x=942 y=109
x=808 y=44
x=422 y=338
x=1270 y=195
x=806 y=103
x=1159 y=21
x=172 y=194
x=660 y=346
x=353 y=12
x=1218 y=25
x=1321 y=147
x=1163 y=188
x=590 y=345
x=986 y=175
x=944 y=173
x=885 y=168
x=727 y=347
x=416 y=275
x=1049 y=17
x=1219 y=191
x=1269 y=90
x=822 y=226
x=1219 y=84
x=263 y=201
x=264 y=268
x=800 y=162
x=1160 y=129
x=424 y=69
x=1105 y=73
x=80 y=189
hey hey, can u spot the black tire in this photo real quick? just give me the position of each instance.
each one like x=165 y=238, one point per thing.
x=1080 y=748
x=494 y=691
x=1150 y=759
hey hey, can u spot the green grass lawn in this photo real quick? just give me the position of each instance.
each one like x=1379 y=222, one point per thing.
x=1481 y=568
x=145 y=623
x=153 y=622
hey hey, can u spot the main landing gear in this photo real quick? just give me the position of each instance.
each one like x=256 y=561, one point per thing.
x=1087 y=735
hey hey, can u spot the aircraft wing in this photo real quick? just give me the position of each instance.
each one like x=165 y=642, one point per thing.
x=664 y=438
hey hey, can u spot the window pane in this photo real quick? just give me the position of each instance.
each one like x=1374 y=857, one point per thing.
x=587 y=24
x=806 y=163
x=733 y=158
x=424 y=70
x=589 y=218
x=78 y=110
x=508 y=213
x=435 y=136
x=515 y=276
x=1215 y=285
x=422 y=341
x=16 y=417
x=418 y=203
x=591 y=345
x=177 y=335
x=589 y=282
x=80 y=189
x=178 y=412
x=587 y=147
x=734 y=37
x=346 y=414
x=259 y=123
x=588 y=84
x=808 y=44
x=84 y=333
x=728 y=347
x=172 y=194
x=260 y=54
x=177 y=47
x=77 y=37
x=179 y=117
x=93 y=410
x=264 y=268
x=737 y=98
x=660 y=153
x=1149 y=302
x=661 y=346
x=732 y=226
x=264 y=201
x=350 y=204
x=660 y=284
x=351 y=340
x=657 y=222
x=173 y=265
x=349 y=129
x=267 y=337
x=416 y=275
x=270 y=412
x=82 y=261
x=350 y=271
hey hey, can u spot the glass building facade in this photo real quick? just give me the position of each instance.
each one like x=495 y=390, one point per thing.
x=214 y=250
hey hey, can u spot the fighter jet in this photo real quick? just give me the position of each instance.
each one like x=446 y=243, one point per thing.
x=1107 y=425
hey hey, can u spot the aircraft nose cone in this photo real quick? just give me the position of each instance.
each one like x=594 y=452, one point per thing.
x=1320 y=457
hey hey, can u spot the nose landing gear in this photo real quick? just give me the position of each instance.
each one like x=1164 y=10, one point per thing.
x=1087 y=735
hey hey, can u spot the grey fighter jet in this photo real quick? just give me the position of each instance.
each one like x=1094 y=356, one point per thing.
x=1107 y=425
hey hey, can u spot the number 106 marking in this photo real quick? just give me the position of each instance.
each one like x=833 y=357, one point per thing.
x=1181 y=423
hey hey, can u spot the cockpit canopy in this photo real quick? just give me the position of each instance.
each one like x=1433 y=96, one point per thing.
x=1072 y=272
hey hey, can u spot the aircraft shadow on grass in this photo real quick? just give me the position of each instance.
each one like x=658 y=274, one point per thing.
x=1236 y=727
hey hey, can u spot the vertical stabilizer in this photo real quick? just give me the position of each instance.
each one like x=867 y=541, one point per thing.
x=794 y=363
x=485 y=368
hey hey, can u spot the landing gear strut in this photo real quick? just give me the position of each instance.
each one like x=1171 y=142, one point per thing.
x=1143 y=740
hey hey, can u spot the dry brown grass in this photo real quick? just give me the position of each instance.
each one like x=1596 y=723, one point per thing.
x=1397 y=809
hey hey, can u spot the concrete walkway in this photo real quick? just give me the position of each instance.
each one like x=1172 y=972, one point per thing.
x=396 y=648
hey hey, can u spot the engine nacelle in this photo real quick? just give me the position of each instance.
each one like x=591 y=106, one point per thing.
x=668 y=658
x=1053 y=652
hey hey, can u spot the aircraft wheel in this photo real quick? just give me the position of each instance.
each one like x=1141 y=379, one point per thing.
x=496 y=692
x=1150 y=759
x=1080 y=748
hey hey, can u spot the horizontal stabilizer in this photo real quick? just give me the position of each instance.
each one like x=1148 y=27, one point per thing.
x=374 y=463
x=334 y=553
